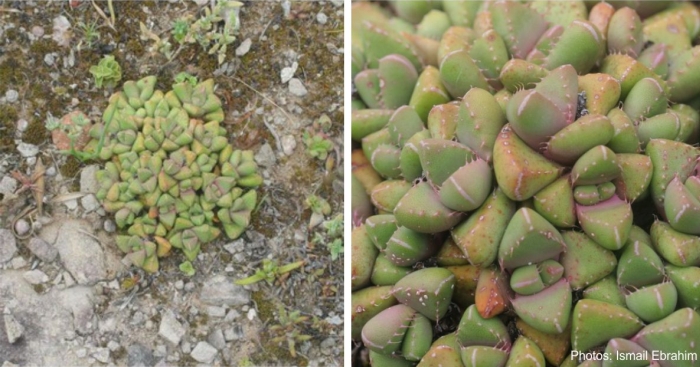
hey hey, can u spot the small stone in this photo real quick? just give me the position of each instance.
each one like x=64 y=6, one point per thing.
x=139 y=355
x=296 y=87
x=35 y=277
x=51 y=171
x=81 y=353
x=251 y=314
x=232 y=315
x=27 y=150
x=288 y=72
x=179 y=285
x=215 y=311
x=204 y=353
x=112 y=345
x=49 y=59
x=265 y=156
x=235 y=246
x=71 y=204
x=220 y=290
x=328 y=344
x=68 y=279
x=8 y=245
x=18 y=262
x=189 y=286
x=8 y=185
x=22 y=125
x=9 y=364
x=101 y=354
x=89 y=203
x=37 y=31
x=216 y=339
x=186 y=347
x=13 y=328
x=161 y=351
x=288 y=144
x=321 y=18
x=109 y=226
x=233 y=333
x=11 y=96
x=88 y=179
x=22 y=227
x=171 y=329
x=335 y=320
x=244 y=47
x=42 y=250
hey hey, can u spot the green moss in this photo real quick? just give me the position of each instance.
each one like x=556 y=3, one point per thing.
x=8 y=121
x=36 y=133
x=71 y=168
x=8 y=74
x=43 y=46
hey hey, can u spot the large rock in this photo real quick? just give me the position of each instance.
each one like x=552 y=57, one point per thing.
x=220 y=290
x=8 y=245
x=80 y=254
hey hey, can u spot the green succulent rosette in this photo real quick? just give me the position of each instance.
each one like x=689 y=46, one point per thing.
x=171 y=177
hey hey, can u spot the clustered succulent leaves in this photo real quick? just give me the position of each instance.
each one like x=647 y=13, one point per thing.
x=526 y=182
x=171 y=177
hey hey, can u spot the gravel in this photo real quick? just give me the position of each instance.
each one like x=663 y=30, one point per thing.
x=8 y=246
x=220 y=290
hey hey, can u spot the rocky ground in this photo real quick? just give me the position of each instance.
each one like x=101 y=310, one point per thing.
x=66 y=295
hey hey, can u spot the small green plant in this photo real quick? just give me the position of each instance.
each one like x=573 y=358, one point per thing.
x=318 y=205
x=90 y=34
x=187 y=268
x=334 y=227
x=317 y=146
x=181 y=28
x=186 y=77
x=52 y=123
x=288 y=329
x=161 y=45
x=107 y=72
x=336 y=247
x=269 y=271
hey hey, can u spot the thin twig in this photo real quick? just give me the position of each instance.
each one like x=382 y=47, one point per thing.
x=274 y=134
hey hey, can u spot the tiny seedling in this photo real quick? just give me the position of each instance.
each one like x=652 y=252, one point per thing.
x=318 y=205
x=269 y=272
x=317 y=146
x=90 y=34
x=336 y=248
x=288 y=329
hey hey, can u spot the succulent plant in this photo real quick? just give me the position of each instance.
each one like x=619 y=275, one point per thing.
x=170 y=174
x=526 y=182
